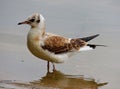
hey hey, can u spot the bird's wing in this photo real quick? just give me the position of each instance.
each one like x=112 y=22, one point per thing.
x=86 y=39
x=59 y=44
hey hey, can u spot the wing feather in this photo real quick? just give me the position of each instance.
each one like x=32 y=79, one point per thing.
x=58 y=44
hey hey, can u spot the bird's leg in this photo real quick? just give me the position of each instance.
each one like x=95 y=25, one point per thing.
x=48 y=66
x=53 y=67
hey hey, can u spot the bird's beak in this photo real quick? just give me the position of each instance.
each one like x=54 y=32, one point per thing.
x=24 y=22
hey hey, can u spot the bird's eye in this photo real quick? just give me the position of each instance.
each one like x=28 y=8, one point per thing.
x=32 y=20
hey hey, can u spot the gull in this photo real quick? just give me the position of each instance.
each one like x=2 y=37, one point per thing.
x=52 y=47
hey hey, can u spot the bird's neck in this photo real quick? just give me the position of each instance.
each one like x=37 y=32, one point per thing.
x=40 y=28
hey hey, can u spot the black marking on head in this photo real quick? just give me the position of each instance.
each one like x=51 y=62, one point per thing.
x=32 y=20
x=38 y=21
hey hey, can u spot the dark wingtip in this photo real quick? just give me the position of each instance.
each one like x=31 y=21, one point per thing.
x=95 y=45
x=102 y=84
x=102 y=45
x=97 y=35
x=89 y=38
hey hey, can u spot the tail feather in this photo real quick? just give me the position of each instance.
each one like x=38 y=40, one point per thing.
x=90 y=47
x=86 y=39
x=94 y=45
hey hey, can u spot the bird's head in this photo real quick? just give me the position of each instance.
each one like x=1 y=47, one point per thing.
x=33 y=20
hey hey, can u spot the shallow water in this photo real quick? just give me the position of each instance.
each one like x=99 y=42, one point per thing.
x=54 y=80
x=20 y=69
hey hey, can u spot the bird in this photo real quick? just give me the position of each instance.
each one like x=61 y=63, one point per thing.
x=52 y=47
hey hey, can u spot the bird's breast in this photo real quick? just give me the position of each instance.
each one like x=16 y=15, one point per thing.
x=33 y=43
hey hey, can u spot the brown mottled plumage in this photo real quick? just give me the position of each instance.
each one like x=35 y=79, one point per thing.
x=57 y=44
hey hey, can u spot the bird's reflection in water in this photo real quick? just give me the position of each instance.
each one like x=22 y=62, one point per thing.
x=58 y=80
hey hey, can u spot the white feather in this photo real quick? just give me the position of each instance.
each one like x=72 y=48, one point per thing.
x=85 y=48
